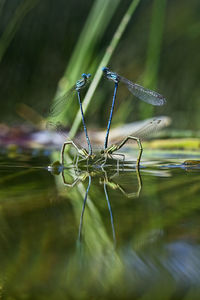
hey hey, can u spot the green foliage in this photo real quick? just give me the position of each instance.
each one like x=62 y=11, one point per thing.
x=15 y=22
x=83 y=52
x=95 y=26
x=105 y=60
x=150 y=76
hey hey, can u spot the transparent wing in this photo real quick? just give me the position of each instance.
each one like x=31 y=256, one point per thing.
x=59 y=103
x=149 y=128
x=56 y=127
x=145 y=131
x=142 y=93
x=59 y=128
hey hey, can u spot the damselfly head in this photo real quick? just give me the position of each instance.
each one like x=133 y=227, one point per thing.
x=105 y=69
x=86 y=76
x=110 y=75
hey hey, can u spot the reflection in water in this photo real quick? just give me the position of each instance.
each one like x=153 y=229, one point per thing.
x=110 y=211
x=138 y=266
x=83 y=209
x=157 y=251
x=100 y=172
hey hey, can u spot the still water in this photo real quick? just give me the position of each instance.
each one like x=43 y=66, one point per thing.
x=138 y=237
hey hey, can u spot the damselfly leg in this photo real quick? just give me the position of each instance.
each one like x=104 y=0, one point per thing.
x=139 y=145
x=81 y=151
x=135 y=136
x=110 y=150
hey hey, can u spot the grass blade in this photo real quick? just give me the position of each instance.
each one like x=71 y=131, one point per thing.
x=150 y=76
x=109 y=51
x=82 y=57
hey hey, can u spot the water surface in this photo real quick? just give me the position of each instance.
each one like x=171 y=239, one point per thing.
x=142 y=242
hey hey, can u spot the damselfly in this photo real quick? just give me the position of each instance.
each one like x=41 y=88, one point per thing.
x=109 y=152
x=137 y=90
x=60 y=102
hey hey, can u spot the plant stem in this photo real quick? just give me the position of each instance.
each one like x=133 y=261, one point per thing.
x=109 y=51
x=150 y=76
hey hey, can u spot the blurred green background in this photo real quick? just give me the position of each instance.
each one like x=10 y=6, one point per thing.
x=46 y=45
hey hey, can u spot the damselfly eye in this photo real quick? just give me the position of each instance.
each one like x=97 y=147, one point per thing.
x=105 y=69
x=102 y=151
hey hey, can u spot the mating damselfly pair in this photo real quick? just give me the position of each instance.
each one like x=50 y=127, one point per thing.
x=137 y=90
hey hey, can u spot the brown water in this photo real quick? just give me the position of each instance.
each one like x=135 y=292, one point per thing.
x=141 y=242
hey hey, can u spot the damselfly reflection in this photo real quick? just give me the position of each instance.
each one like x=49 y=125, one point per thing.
x=137 y=90
x=106 y=178
x=103 y=175
x=83 y=210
